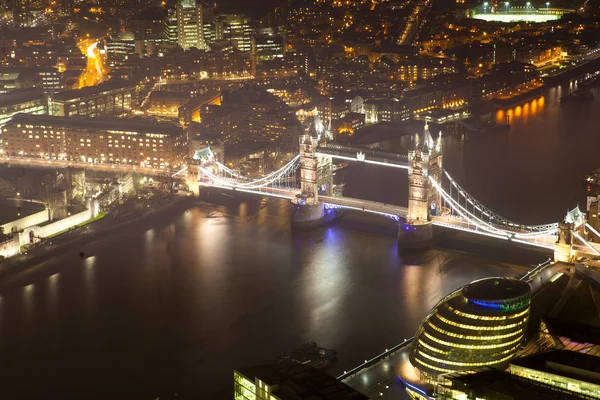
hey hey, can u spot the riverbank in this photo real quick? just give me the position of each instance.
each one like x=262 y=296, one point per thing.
x=62 y=243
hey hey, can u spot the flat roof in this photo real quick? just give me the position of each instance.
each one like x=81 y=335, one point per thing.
x=576 y=331
x=495 y=289
x=21 y=96
x=113 y=84
x=491 y=382
x=102 y=124
x=301 y=382
x=552 y=361
x=168 y=95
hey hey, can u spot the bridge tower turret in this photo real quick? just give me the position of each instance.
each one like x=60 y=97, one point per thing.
x=307 y=210
x=424 y=163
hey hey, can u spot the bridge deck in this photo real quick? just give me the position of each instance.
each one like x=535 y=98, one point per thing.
x=370 y=155
x=365 y=205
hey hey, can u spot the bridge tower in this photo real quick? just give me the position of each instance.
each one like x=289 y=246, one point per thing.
x=564 y=244
x=307 y=210
x=424 y=163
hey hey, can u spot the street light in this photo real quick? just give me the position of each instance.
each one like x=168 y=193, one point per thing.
x=528 y=4
x=507 y=4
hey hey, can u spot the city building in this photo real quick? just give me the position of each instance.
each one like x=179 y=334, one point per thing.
x=252 y=114
x=483 y=324
x=385 y=110
x=110 y=97
x=267 y=47
x=190 y=24
x=421 y=69
x=289 y=382
x=66 y=7
x=121 y=47
x=31 y=101
x=235 y=28
x=566 y=371
x=493 y=384
x=105 y=140
x=167 y=103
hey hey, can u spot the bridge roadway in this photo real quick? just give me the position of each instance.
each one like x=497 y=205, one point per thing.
x=391 y=211
x=42 y=163
x=365 y=205
x=371 y=156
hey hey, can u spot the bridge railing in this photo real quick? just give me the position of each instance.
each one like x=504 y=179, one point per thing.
x=375 y=360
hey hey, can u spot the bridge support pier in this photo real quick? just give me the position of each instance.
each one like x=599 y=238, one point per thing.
x=415 y=236
x=307 y=216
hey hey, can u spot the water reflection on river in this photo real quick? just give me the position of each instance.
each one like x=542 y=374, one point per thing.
x=174 y=304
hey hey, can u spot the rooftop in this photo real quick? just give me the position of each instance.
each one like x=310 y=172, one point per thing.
x=570 y=364
x=101 y=124
x=21 y=96
x=498 y=384
x=577 y=331
x=89 y=91
x=301 y=382
x=494 y=289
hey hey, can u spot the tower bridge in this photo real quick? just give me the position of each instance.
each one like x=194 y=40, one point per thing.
x=434 y=197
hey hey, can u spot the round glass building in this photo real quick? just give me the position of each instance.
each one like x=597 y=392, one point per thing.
x=481 y=324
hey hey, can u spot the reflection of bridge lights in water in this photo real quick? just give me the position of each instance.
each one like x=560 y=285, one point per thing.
x=521 y=111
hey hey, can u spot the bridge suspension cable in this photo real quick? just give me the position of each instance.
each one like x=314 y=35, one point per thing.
x=492 y=215
x=294 y=162
x=286 y=171
x=471 y=218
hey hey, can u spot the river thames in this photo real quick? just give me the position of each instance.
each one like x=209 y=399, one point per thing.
x=176 y=303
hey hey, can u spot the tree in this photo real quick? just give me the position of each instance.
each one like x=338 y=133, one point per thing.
x=7 y=189
x=49 y=196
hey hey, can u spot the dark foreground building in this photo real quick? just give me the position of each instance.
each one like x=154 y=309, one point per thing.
x=289 y=381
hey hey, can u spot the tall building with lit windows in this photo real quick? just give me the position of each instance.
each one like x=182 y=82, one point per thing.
x=190 y=24
x=483 y=324
x=235 y=28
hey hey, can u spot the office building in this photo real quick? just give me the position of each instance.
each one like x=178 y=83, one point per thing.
x=110 y=97
x=491 y=384
x=190 y=24
x=267 y=47
x=103 y=140
x=235 y=28
x=120 y=48
x=482 y=324
x=566 y=371
x=31 y=101
x=66 y=7
x=167 y=103
x=289 y=382
x=253 y=115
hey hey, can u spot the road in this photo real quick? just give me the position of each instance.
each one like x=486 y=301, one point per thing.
x=39 y=163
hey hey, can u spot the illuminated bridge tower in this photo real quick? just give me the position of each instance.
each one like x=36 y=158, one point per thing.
x=574 y=222
x=316 y=176
x=424 y=162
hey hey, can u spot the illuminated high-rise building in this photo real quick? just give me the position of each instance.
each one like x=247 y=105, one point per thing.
x=235 y=28
x=190 y=25
x=20 y=12
x=66 y=7
x=480 y=325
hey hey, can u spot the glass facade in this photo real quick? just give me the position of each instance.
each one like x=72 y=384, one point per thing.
x=558 y=382
x=467 y=330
